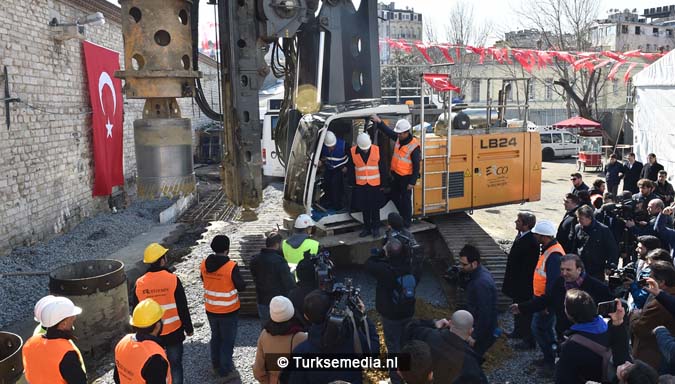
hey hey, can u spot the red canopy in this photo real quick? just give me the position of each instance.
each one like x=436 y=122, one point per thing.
x=576 y=122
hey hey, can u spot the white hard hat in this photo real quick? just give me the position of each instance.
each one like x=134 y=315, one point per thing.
x=39 y=306
x=303 y=221
x=54 y=312
x=402 y=125
x=545 y=228
x=330 y=139
x=363 y=141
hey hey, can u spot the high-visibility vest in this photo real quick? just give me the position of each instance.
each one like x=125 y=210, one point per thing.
x=220 y=294
x=539 y=277
x=295 y=255
x=401 y=162
x=336 y=158
x=161 y=287
x=131 y=356
x=42 y=357
x=367 y=173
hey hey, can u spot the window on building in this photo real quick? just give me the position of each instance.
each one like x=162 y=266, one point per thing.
x=549 y=89
x=655 y=32
x=407 y=16
x=637 y=30
x=509 y=91
x=649 y=48
x=624 y=29
x=615 y=87
x=531 y=94
x=475 y=90
x=396 y=15
x=669 y=32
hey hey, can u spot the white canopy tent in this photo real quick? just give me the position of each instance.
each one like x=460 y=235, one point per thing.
x=654 y=113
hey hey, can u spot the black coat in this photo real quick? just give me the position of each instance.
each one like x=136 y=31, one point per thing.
x=651 y=171
x=596 y=246
x=520 y=265
x=578 y=364
x=481 y=301
x=555 y=301
x=271 y=275
x=385 y=272
x=631 y=177
x=565 y=235
x=454 y=361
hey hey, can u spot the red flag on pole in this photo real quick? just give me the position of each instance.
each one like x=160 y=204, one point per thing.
x=440 y=82
x=105 y=94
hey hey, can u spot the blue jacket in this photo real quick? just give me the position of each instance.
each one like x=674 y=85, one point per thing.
x=337 y=158
x=313 y=346
x=481 y=301
x=666 y=234
x=612 y=173
x=666 y=344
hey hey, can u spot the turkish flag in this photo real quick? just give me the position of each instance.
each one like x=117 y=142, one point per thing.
x=105 y=94
x=440 y=82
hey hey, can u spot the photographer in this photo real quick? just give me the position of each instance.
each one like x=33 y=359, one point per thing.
x=654 y=209
x=396 y=229
x=395 y=293
x=565 y=235
x=646 y=244
x=321 y=340
x=579 y=359
x=306 y=283
x=643 y=322
x=594 y=243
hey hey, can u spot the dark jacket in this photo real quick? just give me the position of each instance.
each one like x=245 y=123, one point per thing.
x=69 y=367
x=155 y=370
x=665 y=191
x=597 y=248
x=454 y=361
x=578 y=364
x=181 y=305
x=481 y=301
x=213 y=263
x=415 y=156
x=668 y=301
x=271 y=275
x=643 y=323
x=555 y=301
x=631 y=176
x=651 y=171
x=520 y=265
x=667 y=236
x=612 y=173
x=583 y=187
x=385 y=271
x=565 y=235
x=644 y=200
x=313 y=346
x=666 y=343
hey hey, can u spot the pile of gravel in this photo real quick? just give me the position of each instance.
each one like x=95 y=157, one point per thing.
x=94 y=238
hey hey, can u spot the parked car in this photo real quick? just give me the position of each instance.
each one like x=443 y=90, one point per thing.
x=558 y=143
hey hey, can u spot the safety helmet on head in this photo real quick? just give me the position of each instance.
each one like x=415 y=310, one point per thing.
x=363 y=141
x=544 y=228
x=330 y=139
x=303 y=221
x=146 y=313
x=153 y=252
x=40 y=305
x=402 y=125
x=58 y=310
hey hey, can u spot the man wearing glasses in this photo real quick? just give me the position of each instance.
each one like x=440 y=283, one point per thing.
x=578 y=184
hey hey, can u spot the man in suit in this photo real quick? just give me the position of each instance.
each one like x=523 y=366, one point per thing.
x=651 y=169
x=520 y=266
x=632 y=170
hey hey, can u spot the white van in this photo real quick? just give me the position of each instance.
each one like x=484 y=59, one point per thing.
x=558 y=143
x=271 y=164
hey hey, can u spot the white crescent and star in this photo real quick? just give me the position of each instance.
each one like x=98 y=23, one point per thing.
x=103 y=80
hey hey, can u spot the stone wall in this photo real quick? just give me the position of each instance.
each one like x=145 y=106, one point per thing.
x=46 y=162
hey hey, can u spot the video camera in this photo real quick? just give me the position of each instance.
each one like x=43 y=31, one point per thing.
x=618 y=276
x=323 y=270
x=346 y=317
x=627 y=210
x=455 y=276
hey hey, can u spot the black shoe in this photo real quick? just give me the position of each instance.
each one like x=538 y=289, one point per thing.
x=524 y=346
x=375 y=232
x=365 y=232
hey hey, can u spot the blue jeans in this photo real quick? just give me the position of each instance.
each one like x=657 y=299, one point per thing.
x=544 y=334
x=263 y=314
x=223 y=334
x=174 y=353
x=393 y=330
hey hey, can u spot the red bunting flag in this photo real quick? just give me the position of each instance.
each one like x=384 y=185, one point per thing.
x=445 y=50
x=105 y=94
x=614 y=70
x=626 y=76
x=423 y=50
x=440 y=82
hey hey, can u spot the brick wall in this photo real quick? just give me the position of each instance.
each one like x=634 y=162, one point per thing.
x=46 y=164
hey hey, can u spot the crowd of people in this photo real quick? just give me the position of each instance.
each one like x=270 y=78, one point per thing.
x=593 y=294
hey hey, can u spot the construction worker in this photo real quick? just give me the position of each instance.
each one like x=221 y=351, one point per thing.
x=37 y=311
x=294 y=247
x=367 y=196
x=52 y=357
x=159 y=284
x=405 y=165
x=334 y=159
x=222 y=283
x=139 y=356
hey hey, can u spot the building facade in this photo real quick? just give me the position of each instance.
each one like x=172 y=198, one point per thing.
x=395 y=24
x=626 y=30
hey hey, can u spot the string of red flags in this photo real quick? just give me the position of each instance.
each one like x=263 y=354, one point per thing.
x=531 y=59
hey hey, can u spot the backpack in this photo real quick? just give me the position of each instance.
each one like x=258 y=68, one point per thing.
x=608 y=368
x=404 y=289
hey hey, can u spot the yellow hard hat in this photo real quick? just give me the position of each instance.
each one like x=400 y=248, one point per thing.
x=146 y=313
x=153 y=252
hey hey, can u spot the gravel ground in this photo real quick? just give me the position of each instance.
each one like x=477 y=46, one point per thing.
x=93 y=238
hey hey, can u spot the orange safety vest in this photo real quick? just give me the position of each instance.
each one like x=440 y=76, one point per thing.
x=367 y=173
x=401 y=162
x=220 y=294
x=42 y=357
x=161 y=287
x=131 y=356
x=539 y=277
